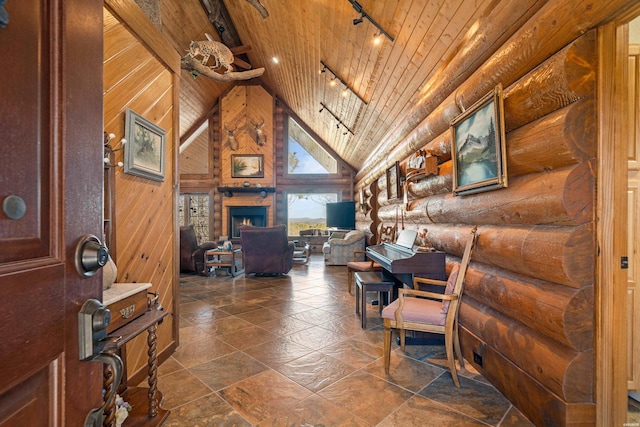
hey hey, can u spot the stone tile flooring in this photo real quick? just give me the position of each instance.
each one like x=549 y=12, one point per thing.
x=289 y=351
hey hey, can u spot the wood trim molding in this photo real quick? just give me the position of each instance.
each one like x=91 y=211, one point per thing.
x=610 y=290
x=130 y=13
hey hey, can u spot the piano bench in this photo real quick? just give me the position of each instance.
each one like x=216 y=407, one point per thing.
x=355 y=266
x=370 y=281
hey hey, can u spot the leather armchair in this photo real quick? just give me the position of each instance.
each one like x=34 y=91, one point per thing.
x=192 y=254
x=266 y=250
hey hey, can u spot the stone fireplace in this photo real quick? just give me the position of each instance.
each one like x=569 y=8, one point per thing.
x=245 y=215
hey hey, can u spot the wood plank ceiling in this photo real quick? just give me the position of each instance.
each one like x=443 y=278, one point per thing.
x=386 y=81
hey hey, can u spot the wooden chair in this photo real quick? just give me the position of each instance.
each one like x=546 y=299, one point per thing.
x=428 y=314
x=360 y=266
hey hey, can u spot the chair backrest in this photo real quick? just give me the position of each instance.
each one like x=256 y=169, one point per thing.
x=464 y=263
x=261 y=240
x=188 y=239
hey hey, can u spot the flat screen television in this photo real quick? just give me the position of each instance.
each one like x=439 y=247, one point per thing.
x=341 y=215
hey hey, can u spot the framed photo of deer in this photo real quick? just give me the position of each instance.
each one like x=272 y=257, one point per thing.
x=247 y=166
x=144 y=150
x=478 y=146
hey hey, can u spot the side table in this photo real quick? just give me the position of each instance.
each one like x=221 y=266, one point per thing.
x=145 y=403
x=301 y=252
x=231 y=260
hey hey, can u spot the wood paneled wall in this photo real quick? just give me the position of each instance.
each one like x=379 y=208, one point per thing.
x=528 y=306
x=144 y=78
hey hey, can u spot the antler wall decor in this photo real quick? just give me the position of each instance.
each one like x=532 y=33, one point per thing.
x=233 y=142
x=260 y=136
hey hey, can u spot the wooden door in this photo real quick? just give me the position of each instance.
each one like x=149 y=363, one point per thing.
x=633 y=218
x=51 y=195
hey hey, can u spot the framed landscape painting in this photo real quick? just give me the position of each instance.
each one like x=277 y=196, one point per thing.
x=478 y=146
x=394 y=190
x=144 y=150
x=247 y=166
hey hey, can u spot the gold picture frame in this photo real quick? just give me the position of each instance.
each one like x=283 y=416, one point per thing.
x=478 y=146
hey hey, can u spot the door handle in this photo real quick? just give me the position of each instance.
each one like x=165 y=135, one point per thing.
x=94 y=418
x=93 y=320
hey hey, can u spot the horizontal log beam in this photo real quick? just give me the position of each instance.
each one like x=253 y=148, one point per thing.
x=564 y=78
x=559 y=197
x=564 y=137
x=557 y=254
x=567 y=373
x=560 y=313
x=540 y=405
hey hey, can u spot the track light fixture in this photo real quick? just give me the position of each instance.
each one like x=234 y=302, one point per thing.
x=321 y=110
x=363 y=15
x=340 y=123
x=335 y=79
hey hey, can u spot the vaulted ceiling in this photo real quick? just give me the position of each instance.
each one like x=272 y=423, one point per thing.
x=387 y=83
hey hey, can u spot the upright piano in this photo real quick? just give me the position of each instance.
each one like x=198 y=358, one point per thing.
x=403 y=262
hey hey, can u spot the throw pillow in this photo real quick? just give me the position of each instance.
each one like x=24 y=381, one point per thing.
x=448 y=290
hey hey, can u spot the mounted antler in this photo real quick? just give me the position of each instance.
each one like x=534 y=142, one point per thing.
x=261 y=137
x=233 y=142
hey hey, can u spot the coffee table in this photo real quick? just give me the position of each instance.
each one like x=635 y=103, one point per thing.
x=231 y=260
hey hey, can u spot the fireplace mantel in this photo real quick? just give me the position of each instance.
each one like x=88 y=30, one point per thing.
x=263 y=191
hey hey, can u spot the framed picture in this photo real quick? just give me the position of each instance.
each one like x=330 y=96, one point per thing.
x=247 y=166
x=362 y=204
x=144 y=150
x=393 y=182
x=478 y=146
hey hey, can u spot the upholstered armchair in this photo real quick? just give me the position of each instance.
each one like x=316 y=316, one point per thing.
x=338 y=250
x=192 y=254
x=266 y=250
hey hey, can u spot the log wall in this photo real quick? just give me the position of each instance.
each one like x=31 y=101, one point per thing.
x=528 y=307
x=143 y=75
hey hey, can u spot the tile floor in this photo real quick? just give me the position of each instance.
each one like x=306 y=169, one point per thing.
x=289 y=351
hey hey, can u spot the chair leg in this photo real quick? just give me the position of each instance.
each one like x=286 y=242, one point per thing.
x=448 y=344
x=403 y=337
x=349 y=279
x=363 y=306
x=387 y=348
x=456 y=345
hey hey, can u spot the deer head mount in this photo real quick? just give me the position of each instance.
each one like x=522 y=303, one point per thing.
x=258 y=133
x=233 y=142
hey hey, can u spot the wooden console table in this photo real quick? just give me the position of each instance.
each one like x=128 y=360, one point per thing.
x=145 y=403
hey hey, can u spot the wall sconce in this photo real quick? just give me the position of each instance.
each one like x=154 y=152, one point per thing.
x=108 y=150
x=335 y=79
x=363 y=15
x=340 y=123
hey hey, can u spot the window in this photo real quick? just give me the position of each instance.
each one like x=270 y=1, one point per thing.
x=307 y=211
x=306 y=155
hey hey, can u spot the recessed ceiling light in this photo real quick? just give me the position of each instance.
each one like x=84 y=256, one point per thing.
x=275 y=60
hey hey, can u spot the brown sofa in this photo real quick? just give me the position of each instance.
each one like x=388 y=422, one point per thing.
x=266 y=250
x=192 y=254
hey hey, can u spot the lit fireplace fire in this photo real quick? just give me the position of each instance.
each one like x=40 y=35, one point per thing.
x=246 y=221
